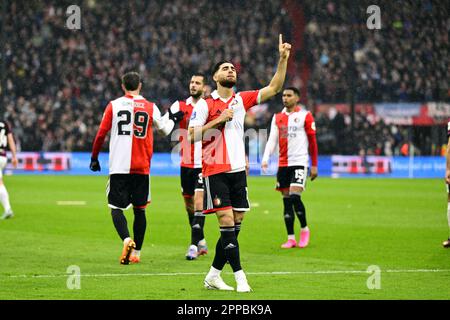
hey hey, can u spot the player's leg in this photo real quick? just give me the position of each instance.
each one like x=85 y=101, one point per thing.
x=140 y=197
x=198 y=243
x=118 y=200
x=240 y=204
x=187 y=190
x=4 y=196
x=446 y=243
x=283 y=182
x=296 y=188
x=216 y=199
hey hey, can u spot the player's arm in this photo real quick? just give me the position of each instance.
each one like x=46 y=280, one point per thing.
x=103 y=130
x=174 y=113
x=310 y=128
x=12 y=147
x=447 y=171
x=271 y=144
x=276 y=84
x=198 y=125
x=163 y=124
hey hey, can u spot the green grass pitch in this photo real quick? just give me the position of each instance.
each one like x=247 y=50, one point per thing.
x=397 y=225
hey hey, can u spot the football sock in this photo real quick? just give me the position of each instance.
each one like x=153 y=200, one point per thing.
x=237 y=228
x=299 y=209
x=190 y=217
x=197 y=228
x=139 y=226
x=120 y=223
x=231 y=247
x=288 y=215
x=219 y=257
x=4 y=198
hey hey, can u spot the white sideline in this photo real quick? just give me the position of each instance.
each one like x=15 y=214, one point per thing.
x=274 y=273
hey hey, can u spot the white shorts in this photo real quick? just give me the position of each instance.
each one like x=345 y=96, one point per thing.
x=3 y=162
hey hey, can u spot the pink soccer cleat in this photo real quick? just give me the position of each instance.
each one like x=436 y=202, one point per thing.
x=304 y=239
x=291 y=243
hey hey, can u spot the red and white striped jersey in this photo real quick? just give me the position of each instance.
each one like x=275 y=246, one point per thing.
x=130 y=119
x=4 y=131
x=295 y=134
x=223 y=148
x=191 y=153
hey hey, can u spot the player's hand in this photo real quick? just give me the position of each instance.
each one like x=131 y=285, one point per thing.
x=447 y=176
x=177 y=116
x=226 y=115
x=284 y=48
x=313 y=173
x=264 y=166
x=14 y=162
x=95 y=165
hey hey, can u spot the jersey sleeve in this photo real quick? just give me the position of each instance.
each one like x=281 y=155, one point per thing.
x=310 y=128
x=175 y=107
x=199 y=114
x=103 y=130
x=250 y=98
x=163 y=124
x=272 y=142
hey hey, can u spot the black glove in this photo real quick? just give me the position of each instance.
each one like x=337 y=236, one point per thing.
x=176 y=117
x=95 y=165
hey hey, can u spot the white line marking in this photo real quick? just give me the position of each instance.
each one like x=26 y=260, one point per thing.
x=274 y=273
x=71 y=203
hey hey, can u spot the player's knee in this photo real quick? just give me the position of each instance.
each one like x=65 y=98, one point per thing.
x=226 y=219
x=238 y=216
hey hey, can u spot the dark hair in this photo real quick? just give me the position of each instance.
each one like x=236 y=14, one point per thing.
x=131 y=80
x=296 y=91
x=218 y=64
x=199 y=74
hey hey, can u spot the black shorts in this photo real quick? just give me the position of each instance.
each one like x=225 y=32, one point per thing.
x=291 y=176
x=226 y=191
x=191 y=181
x=126 y=189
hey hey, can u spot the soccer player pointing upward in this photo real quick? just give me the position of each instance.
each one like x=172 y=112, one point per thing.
x=220 y=124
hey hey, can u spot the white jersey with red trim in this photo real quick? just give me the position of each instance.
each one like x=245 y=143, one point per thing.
x=290 y=132
x=191 y=153
x=223 y=148
x=130 y=120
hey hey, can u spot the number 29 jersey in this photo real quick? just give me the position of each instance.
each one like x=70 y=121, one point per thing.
x=130 y=120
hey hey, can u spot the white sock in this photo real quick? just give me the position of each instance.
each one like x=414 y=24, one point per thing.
x=202 y=242
x=126 y=240
x=240 y=275
x=291 y=236
x=4 y=198
x=213 y=272
x=448 y=214
x=305 y=228
x=136 y=253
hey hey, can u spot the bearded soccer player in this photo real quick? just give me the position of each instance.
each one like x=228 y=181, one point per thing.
x=220 y=124
x=130 y=119
x=6 y=140
x=446 y=243
x=191 y=167
x=294 y=131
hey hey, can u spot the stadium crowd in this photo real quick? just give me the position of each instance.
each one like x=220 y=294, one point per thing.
x=58 y=81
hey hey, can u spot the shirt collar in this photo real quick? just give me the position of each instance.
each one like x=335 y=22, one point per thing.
x=215 y=96
x=296 y=109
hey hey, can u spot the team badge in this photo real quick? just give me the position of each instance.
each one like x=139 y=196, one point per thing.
x=217 y=202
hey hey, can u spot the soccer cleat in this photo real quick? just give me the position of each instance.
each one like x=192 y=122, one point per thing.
x=304 y=239
x=126 y=252
x=202 y=248
x=446 y=243
x=242 y=284
x=192 y=253
x=7 y=215
x=216 y=283
x=291 y=243
x=134 y=258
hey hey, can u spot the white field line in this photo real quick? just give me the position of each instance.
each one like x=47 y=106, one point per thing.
x=71 y=203
x=175 y=274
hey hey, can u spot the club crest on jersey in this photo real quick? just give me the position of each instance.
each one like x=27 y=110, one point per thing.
x=217 y=202
x=193 y=115
x=296 y=120
x=233 y=103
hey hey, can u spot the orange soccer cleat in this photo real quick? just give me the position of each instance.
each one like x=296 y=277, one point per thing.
x=128 y=247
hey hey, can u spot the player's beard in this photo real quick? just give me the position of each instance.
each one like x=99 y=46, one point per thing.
x=227 y=83
x=196 y=95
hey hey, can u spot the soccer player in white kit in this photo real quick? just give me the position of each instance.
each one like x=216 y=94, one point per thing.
x=294 y=131
x=220 y=125
x=446 y=243
x=6 y=139
x=130 y=119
